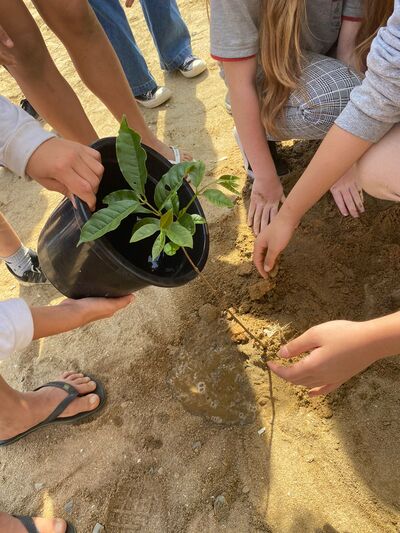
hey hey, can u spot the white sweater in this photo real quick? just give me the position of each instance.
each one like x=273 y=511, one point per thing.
x=20 y=136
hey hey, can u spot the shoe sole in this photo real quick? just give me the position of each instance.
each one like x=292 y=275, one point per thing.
x=151 y=104
x=196 y=71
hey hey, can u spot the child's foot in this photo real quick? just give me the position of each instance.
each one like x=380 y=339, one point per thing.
x=20 y=411
x=192 y=67
x=10 y=524
x=24 y=265
x=154 y=98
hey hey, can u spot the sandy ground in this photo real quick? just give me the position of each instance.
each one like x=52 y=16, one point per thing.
x=178 y=448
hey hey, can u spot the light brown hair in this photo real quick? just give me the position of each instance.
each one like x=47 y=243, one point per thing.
x=376 y=15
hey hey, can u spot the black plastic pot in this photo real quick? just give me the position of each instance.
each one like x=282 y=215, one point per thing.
x=111 y=266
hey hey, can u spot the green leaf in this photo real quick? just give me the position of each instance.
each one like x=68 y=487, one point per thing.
x=131 y=158
x=197 y=219
x=117 y=196
x=167 y=219
x=107 y=219
x=187 y=222
x=197 y=173
x=179 y=235
x=171 y=248
x=126 y=194
x=158 y=246
x=218 y=198
x=230 y=182
x=145 y=228
x=170 y=183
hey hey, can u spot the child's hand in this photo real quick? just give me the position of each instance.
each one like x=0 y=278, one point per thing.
x=92 y=309
x=339 y=351
x=348 y=195
x=271 y=242
x=6 y=58
x=67 y=167
x=266 y=196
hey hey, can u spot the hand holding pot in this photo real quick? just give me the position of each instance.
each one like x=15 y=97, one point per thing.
x=266 y=195
x=67 y=167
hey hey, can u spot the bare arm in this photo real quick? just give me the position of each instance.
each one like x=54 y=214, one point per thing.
x=267 y=190
x=338 y=351
x=337 y=153
x=72 y=314
x=347 y=43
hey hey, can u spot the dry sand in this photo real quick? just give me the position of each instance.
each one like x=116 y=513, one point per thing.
x=178 y=448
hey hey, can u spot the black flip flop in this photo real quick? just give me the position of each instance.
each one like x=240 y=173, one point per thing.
x=29 y=524
x=53 y=417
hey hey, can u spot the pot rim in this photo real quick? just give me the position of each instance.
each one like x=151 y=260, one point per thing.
x=82 y=215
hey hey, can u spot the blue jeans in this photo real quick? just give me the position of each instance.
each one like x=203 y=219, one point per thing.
x=168 y=29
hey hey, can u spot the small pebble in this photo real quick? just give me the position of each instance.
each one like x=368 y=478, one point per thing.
x=245 y=490
x=261 y=431
x=196 y=446
x=39 y=486
x=208 y=313
x=219 y=502
x=98 y=528
x=310 y=459
x=260 y=289
x=69 y=506
x=160 y=471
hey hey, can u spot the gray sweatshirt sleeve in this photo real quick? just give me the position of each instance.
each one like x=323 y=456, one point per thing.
x=20 y=136
x=374 y=106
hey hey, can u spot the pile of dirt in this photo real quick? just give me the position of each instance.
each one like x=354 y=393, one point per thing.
x=184 y=444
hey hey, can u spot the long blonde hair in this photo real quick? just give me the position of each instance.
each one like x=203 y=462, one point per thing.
x=376 y=14
x=281 y=54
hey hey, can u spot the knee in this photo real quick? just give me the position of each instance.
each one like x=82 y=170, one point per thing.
x=376 y=180
x=30 y=53
x=75 y=19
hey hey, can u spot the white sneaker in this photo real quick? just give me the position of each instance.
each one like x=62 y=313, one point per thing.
x=192 y=67
x=154 y=98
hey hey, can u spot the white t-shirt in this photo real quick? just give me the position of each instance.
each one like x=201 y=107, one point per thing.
x=16 y=326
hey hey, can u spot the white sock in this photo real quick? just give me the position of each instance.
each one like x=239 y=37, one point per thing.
x=20 y=262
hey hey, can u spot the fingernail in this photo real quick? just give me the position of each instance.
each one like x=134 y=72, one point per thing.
x=9 y=43
x=267 y=268
x=93 y=399
x=283 y=352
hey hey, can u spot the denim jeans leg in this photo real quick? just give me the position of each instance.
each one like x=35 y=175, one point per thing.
x=113 y=19
x=169 y=31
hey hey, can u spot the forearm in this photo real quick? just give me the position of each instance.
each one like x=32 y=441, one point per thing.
x=247 y=115
x=383 y=336
x=48 y=321
x=347 y=43
x=336 y=155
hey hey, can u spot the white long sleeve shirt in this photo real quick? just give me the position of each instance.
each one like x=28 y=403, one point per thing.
x=20 y=136
x=16 y=326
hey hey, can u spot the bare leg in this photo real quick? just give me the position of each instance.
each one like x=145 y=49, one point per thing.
x=20 y=411
x=9 y=524
x=9 y=240
x=378 y=171
x=76 y=25
x=38 y=77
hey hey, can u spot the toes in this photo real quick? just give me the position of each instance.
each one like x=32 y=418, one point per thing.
x=72 y=375
x=56 y=525
x=87 y=403
x=81 y=381
x=85 y=388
